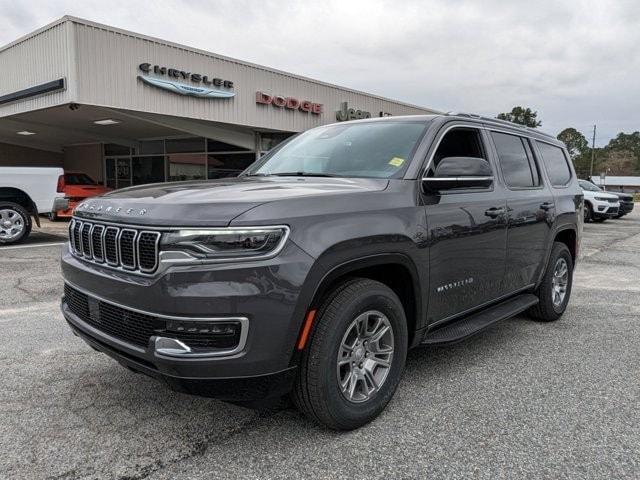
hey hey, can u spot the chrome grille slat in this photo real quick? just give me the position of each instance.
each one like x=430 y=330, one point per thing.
x=85 y=234
x=97 y=233
x=77 y=238
x=72 y=237
x=111 y=245
x=125 y=248
x=147 y=250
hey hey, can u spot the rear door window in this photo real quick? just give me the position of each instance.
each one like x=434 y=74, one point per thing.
x=556 y=164
x=516 y=161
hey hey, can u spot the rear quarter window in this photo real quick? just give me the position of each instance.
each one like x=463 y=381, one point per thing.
x=556 y=164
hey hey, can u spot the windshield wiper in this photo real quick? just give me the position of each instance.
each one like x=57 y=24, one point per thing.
x=303 y=174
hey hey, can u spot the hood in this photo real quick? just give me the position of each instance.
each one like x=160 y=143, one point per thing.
x=622 y=196
x=215 y=202
x=602 y=194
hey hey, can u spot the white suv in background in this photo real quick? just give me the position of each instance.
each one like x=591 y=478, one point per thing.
x=598 y=204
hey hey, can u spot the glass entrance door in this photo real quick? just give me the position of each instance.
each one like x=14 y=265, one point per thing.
x=123 y=172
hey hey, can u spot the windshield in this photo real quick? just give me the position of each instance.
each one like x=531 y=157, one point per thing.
x=589 y=186
x=78 y=179
x=371 y=149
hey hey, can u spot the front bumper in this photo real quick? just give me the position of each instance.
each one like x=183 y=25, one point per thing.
x=260 y=388
x=625 y=207
x=264 y=292
x=605 y=209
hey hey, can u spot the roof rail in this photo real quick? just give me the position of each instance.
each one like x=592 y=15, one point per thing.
x=499 y=122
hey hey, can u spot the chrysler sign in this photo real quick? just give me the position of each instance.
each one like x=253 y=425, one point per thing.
x=173 y=80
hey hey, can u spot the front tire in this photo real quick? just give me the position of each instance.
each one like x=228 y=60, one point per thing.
x=355 y=357
x=15 y=223
x=555 y=289
x=588 y=213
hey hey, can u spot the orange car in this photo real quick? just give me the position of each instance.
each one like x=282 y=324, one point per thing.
x=76 y=187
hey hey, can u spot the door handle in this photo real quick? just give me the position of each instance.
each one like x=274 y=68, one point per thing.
x=547 y=205
x=494 y=212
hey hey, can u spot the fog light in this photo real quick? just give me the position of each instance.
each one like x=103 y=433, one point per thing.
x=188 y=337
x=203 y=327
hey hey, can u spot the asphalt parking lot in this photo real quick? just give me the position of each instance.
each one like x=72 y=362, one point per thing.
x=522 y=400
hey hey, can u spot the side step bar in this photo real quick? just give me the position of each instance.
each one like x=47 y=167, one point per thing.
x=474 y=323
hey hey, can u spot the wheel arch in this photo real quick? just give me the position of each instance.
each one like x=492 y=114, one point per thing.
x=22 y=198
x=395 y=270
x=567 y=234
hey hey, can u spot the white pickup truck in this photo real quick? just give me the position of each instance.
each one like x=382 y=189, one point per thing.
x=26 y=192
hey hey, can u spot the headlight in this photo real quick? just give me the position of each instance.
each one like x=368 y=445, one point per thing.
x=602 y=199
x=226 y=243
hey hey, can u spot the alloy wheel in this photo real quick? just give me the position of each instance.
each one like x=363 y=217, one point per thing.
x=559 y=282
x=11 y=224
x=365 y=356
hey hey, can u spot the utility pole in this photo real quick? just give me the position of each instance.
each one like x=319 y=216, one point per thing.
x=593 y=151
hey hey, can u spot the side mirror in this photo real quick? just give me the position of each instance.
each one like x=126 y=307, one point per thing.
x=459 y=172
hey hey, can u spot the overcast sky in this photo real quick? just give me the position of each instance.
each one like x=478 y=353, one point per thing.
x=576 y=62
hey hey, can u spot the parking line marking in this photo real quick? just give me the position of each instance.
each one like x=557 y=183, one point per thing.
x=37 y=245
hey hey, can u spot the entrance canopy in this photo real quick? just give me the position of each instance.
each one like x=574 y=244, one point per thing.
x=56 y=127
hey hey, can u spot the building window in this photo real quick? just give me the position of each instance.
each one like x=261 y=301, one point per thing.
x=215 y=146
x=147 y=169
x=123 y=172
x=151 y=147
x=270 y=140
x=229 y=164
x=110 y=173
x=173 y=159
x=186 y=166
x=111 y=149
x=185 y=145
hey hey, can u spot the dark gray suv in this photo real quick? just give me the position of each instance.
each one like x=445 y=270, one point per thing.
x=314 y=271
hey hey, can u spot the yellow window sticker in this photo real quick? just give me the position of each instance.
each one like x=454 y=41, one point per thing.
x=396 y=161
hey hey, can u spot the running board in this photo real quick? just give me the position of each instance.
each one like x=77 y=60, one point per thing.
x=468 y=326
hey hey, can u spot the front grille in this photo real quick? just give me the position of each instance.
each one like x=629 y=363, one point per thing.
x=137 y=328
x=120 y=247
x=126 y=325
x=613 y=200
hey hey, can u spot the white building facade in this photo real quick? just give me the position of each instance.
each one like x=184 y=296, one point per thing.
x=129 y=109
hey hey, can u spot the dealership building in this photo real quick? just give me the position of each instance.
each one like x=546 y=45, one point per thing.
x=129 y=109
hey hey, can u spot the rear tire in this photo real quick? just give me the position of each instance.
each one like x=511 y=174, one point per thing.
x=352 y=315
x=554 y=292
x=15 y=223
x=588 y=213
x=53 y=216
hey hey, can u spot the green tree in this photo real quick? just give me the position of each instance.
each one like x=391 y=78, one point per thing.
x=618 y=162
x=575 y=141
x=521 y=116
x=629 y=143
